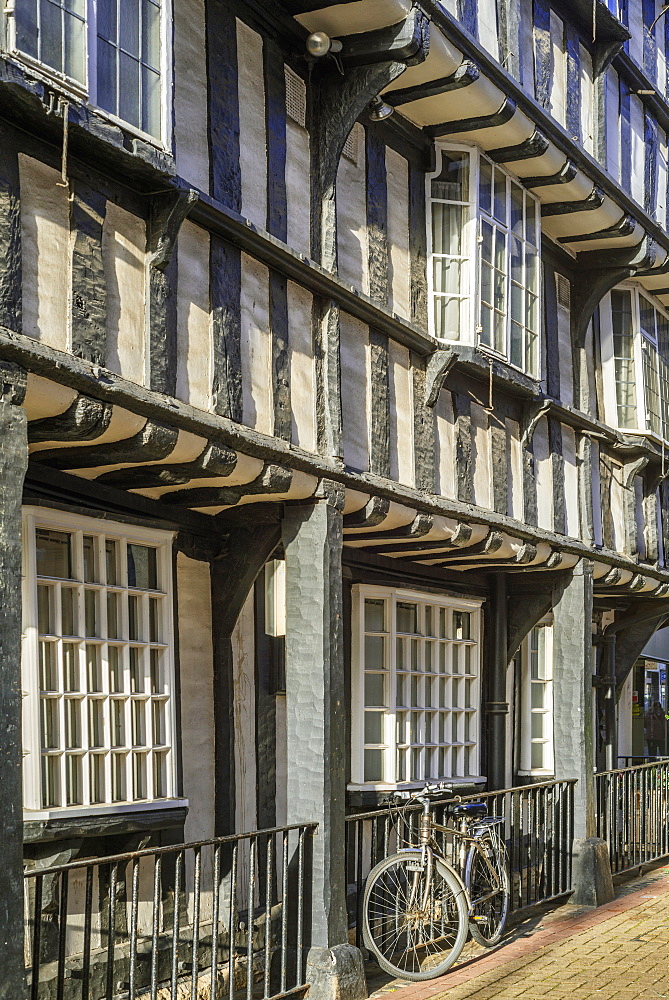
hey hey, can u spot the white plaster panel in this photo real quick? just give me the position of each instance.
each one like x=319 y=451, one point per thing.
x=444 y=445
x=612 y=123
x=297 y=174
x=565 y=361
x=638 y=152
x=302 y=371
x=637 y=32
x=596 y=491
x=256 y=347
x=587 y=100
x=352 y=218
x=660 y=212
x=661 y=62
x=570 y=481
x=252 y=126
x=190 y=93
x=526 y=46
x=243 y=656
x=401 y=415
x=397 y=176
x=355 y=374
x=124 y=260
x=543 y=474
x=559 y=80
x=487 y=25
x=590 y=364
x=617 y=506
x=197 y=694
x=46 y=254
x=514 y=454
x=481 y=457
x=194 y=338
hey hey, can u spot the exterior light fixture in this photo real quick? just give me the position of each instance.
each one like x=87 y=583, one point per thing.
x=320 y=44
x=378 y=109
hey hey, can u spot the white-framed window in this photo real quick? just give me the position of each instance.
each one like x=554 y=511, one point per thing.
x=484 y=275
x=415 y=687
x=635 y=358
x=112 y=52
x=97 y=661
x=537 y=701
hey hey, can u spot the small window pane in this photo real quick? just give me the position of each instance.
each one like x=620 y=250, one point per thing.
x=151 y=34
x=134 y=629
x=537 y=727
x=151 y=112
x=50 y=35
x=452 y=184
x=160 y=775
x=114 y=657
x=75 y=47
x=118 y=778
x=71 y=680
x=374 y=616
x=516 y=221
x=537 y=697
x=485 y=186
x=48 y=669
x=138 y=724
x=375 y=690
x=157 y=681
x=373 y=770
x=118 y=722
x=158 y=723
x=45 y=610
x=142 y=567
x=537 y=755
x=136 y=670
x=407 y=617
x=111 y=556
x=374 y=727
x=129 y=26
x=500 y=197
x=93 y=667
x=50 y=727
x=154 y=619
x=68 y=601
x=91 y=613
x=97 y=778
x=461 y=625
x=54 y=553
x=374 y=649
x=90 y=559
x=72 y=723
x=50 y=782
x=26 y=27
x=128 y=98
x=95 y=723
x=106 y=23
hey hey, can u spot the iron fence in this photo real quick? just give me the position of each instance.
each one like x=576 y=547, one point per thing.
x=538 y=830
x=633 y=813
x=217 y=918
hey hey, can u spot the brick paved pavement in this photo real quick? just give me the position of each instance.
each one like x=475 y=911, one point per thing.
x=616 y=952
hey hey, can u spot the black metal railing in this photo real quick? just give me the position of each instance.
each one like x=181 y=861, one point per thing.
x=633 y=813
x=538 y=830
x=635 y=759
x=225 y=917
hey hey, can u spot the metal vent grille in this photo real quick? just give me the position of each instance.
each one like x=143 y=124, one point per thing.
x=296 y=97
x=352 y=145
x=563 y=291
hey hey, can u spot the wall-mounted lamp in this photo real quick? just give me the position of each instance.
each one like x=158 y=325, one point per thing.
x=378 y=110
x=320 y=44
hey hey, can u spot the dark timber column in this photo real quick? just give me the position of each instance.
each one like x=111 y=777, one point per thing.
x=13 y=465
x=573 y=729
x=315 y=702
x=497 y=707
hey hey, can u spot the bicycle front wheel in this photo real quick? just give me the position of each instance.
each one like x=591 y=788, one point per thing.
x=489 y=893
x=415 y=924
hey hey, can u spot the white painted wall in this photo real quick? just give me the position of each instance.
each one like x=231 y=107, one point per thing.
x=401 y=415
x=190 y=93
x=46 y=264
x=565 y=357
x=612 y=123
x=124 y=261
x=256 y=347
x=570 y=480
x=355 y=374
x=487 y=25
x=252 y=126
x=302 y=370
x=514 y=453
x=352 y=217
x=297 y=174
x=543 y=474
x=397 y=174
x=559 y=80
x=197 y=695
x=444 y=445
x=587 y=101
x=638 y=148
x=662 y=178
x=194 y=340
x=481 y=457
x=618 y=506
x=635 y=25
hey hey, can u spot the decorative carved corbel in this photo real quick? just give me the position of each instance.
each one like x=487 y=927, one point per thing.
x=438 y=367
x=532 y=414
x=168 y=211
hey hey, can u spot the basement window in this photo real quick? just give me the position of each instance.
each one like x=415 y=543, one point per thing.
x=98 y=709
x=415 y=687
x=484 y=275
x=111 y=52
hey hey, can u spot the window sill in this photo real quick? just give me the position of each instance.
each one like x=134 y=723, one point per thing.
x=477 y=361
x=39 y=826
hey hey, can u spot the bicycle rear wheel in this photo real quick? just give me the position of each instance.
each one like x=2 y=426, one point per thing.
x=413 y=934
x=488 y=917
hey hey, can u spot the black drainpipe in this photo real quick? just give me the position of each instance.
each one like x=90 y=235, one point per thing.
x=497 y=707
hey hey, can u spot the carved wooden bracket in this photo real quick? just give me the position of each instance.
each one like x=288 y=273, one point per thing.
x=438 y=367
x=168 y=211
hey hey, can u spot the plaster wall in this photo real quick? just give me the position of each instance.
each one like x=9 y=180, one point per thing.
x=570 y=480
x=297 y=170
x=194 y=344
x=481 y=456
x=46 y=252
x=635 y=25
x=397 y=177
x=302 y=372
x=352 y=216
x=190 y=93
x=444 y=459
x=566 y=367
x=612 y=124
x=638 y=148
x=618 y=507
x=488 y=30
x=355 y=373
x=256 y=347
x=543 y=474
x=559 y=77
x=662 y=177
x=124 y=260
x=514 y=453
x=401 y=415
x=587 y=101
x=252 y=125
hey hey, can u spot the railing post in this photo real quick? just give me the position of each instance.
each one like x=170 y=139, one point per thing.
x=315 y=707
x=573 y=730
x=13 y=465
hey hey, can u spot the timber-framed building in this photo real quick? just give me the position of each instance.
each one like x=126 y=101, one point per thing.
x=333 y=445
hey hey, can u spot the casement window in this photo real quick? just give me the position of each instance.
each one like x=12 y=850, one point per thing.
x=635 y=355
x=415 y=687
x=537 y=701
x=98 y=681
x=113 y=52
x=485 y=260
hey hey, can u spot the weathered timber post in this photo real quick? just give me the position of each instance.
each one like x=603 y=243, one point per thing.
x=573 y=730
x=497 y=707
x=312 y=536
x=13 y=465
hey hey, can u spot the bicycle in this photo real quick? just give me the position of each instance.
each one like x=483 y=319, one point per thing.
x=418 y=909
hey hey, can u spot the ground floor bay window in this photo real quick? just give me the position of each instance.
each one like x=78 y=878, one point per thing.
x=98 y=709
x=415 y=687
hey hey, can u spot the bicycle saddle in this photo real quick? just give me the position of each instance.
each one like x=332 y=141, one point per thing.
x=472 y=810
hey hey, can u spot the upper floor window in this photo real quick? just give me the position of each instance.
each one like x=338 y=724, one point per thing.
x=97 y=664
x=110 y=51
x=485 y=236
x=635 y=351
x=415 y=687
